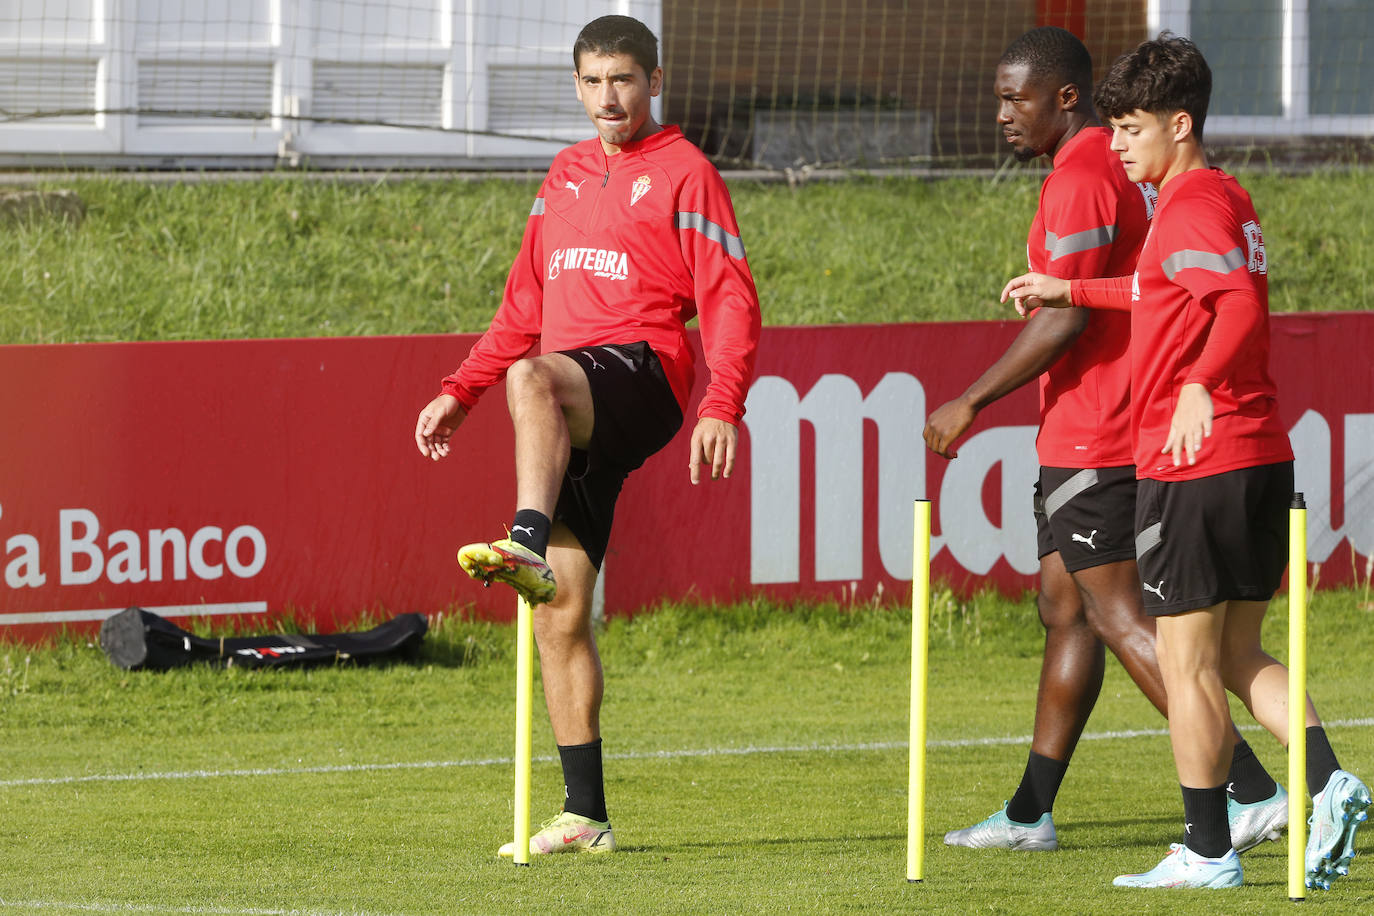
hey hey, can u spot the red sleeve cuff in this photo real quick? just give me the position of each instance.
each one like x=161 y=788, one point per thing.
x=465 y=397
x=718 y=413
x=1103 y=293
x=1207 y=381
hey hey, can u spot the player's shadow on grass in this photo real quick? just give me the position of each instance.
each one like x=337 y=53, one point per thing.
x=681 y=848
x=1124 y=832
x=467 y=650
x=1120 y=829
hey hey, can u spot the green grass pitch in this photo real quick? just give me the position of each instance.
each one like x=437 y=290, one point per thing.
x=756 y=764
x=757 y=759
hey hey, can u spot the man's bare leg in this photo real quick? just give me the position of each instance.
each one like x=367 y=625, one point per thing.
x=1072 y=670
x=1081 y=611
x=571 y=671
x=1189 y=651
x=550 y=405
x=569 y=663
x=551 y=408
x=1258 y=679
x=1070 y=679
x=1340 y=799
x=1112 y=600
x=552 y=411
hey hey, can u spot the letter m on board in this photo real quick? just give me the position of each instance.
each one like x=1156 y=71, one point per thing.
x=837 y=411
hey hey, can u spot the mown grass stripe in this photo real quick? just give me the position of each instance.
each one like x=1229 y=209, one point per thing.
x=683 y=753
x=168 y=610
x=73 y=907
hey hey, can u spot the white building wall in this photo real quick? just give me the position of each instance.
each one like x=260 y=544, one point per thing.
x=484 y=83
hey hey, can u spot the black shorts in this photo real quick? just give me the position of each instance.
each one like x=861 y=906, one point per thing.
x=1214 y=539
x=1088 y=515
x=635 y=415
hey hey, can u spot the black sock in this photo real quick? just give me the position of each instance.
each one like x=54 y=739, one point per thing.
x=1321 y=760
x=1248 y=781
x=1039 y=786
x=531 y=529
x=582 y=781
x=1206 y=830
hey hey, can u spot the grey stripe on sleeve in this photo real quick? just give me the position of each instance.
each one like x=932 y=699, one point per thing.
x=1148 y=539
x=538 y=208
x=713 y=231
x=1217 y=263
x=1060 y=246
x=1068 y=490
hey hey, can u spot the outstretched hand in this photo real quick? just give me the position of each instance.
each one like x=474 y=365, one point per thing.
x=437 y=423
x=1032 y=291
x=713 y=445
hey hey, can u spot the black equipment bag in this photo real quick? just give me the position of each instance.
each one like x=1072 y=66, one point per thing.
x=136 y=639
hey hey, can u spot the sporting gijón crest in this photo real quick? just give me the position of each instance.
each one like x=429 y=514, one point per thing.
x=642 y=185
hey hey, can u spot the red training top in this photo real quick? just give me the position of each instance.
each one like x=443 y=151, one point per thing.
x=624 y=248
x=1091 y=222
x=1199 y=306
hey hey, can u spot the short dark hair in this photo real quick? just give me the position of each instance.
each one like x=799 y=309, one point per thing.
x=1161 y=76
x=618 y=35
x=1052 y=53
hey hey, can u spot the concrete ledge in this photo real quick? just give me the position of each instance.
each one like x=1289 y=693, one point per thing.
x=25 y=206
x=852 y=137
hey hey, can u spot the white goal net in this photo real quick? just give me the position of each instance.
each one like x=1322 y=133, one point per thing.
x=487 y=83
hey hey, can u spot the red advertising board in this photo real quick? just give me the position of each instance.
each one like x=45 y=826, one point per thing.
x=251 y=477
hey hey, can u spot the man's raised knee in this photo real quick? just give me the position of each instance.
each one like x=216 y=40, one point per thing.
x=528 y=377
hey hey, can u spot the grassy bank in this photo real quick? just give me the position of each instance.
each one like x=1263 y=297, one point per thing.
x=289 y=257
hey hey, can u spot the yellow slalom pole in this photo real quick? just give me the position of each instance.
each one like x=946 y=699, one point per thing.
x=920 y=646
x=1297 y=698
x=524 y=689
